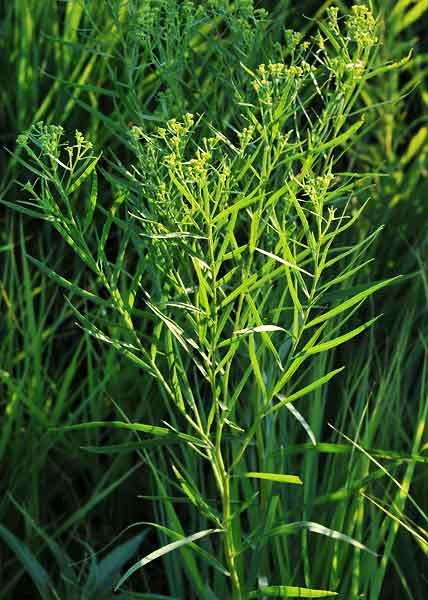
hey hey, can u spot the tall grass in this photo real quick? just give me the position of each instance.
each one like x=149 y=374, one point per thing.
x=223 y=260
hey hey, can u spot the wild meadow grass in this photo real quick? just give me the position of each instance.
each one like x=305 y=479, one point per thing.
x=213 y=358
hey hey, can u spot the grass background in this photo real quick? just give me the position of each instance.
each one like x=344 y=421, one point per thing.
x=95 y=67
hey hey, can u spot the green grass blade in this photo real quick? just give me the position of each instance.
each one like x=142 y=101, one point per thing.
x=287 y=591
x=184 y=541
x=34 y=569
x=278 y=477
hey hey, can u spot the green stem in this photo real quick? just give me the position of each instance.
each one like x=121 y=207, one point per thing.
x=229 y=543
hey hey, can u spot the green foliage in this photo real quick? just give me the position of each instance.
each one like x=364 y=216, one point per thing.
x=213 y=234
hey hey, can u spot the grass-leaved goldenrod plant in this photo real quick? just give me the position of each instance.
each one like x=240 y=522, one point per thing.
x=223 y=271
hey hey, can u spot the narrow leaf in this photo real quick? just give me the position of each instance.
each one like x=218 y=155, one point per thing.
x=337 y=310
x=258 y=329
x=78 y=182
x=279 y=477
x=302 y=421
x=109 y=567
x=329 y=344
x=291 y=528
x=282 y=261
x=34 y=569
x=286 y=591
x=68 y=284
x=304 y=391
x=162 y=551
x=152 y=429
x=92 y=202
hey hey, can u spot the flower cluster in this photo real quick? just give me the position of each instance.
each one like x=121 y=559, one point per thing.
x=78 y=150
x=175 y=136
x=361 y=26
x=269 y=79
x=316 y=188
x=292 y=39
x=46 y=137
x=333 y=19
x=246 y=136
x=147 y=19
x=154 y=19
x=241 y=18
x=197 y=167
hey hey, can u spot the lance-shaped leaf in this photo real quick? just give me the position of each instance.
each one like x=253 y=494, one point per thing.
x=34 y=569
x=259 y=329
x=279 y=477
x=287 y=591
x=151 y=429
x=162 y=551
x=337 y=310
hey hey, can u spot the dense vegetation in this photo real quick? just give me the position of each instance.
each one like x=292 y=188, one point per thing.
x=213 y=291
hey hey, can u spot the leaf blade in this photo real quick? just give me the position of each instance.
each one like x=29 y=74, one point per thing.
x=278 y=477
x=162 y=551
x=287 y=591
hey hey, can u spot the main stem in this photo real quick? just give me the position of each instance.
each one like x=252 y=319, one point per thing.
x=229 y=544
x=223 y=481
x=221 y=474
